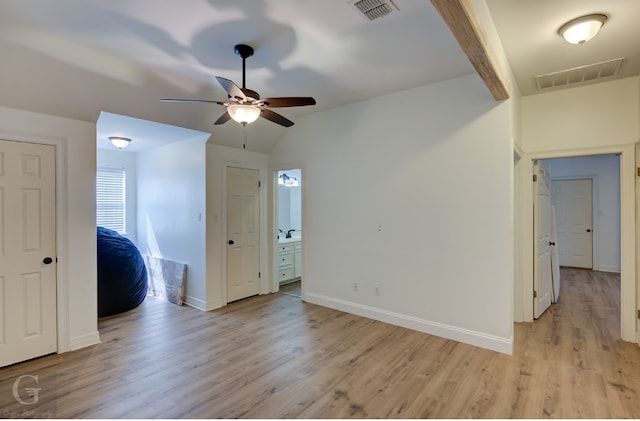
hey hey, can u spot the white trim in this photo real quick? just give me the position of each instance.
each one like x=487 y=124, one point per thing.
x=467 y=336
x=199 y=304
x=522 y=185
x=628 y=278
x=262 y=175
x=62 y=285
x=84 y=341
x=609 y=268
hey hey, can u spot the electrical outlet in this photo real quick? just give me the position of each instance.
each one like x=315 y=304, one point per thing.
x=355 y=287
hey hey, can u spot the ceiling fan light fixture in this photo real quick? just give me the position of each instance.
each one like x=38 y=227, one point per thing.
x=243 y=114
x=119 y=141
x=582 y=29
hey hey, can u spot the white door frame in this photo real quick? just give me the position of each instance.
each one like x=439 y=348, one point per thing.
x=62 y=286
x=628 y=274
x=264 y=282
x=273 y=243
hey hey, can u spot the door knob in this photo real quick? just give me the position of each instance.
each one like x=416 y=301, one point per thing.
x=551 y=243
x=47 y=260
x=231 y=242
x=589 y=230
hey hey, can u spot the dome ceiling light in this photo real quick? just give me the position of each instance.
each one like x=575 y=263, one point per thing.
x=582 y=29
x=119 y=142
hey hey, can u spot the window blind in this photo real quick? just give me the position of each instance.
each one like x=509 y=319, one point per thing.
x=110 y=199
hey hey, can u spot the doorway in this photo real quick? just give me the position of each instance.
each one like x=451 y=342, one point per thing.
x=625 y=155
x=288 y=188
x=243 y=233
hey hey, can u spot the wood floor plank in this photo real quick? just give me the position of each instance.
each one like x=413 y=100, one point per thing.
x=275 y=356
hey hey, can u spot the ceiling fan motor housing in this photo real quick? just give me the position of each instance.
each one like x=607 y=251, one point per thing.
x=243 y=50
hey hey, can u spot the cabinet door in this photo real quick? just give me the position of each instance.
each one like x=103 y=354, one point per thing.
x=297 y=261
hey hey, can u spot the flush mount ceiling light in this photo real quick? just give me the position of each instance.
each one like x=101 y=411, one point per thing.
x=243 y=114
x=119 y=142
x=582 y=29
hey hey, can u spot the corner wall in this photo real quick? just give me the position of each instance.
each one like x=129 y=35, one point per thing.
x=171 y=209
x=417 y=204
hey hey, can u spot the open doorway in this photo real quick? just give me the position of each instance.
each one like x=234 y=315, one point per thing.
x=625 y=155
x=586 y=194
x=289 y=233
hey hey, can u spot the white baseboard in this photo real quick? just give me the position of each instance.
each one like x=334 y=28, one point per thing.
x=609 y=268
x=470 y=337
x=84 y=341
x=199 y=304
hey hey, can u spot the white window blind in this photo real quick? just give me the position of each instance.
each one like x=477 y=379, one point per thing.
x=110 y=199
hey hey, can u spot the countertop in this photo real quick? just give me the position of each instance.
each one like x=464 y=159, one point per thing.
x=289 y=240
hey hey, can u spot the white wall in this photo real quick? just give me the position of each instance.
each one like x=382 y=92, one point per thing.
x=218 y=159
x=426 y=215
x=589 y=116
x=171 y=209
x=605 y=172
x=127 y=161
x=75 y=143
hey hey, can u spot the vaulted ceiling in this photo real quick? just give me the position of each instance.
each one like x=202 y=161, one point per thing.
x=78 y=58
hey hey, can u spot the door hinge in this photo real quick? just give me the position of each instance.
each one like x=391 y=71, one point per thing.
x=638 y=314
x=535 y=294
x=535 y=177
x=259 y=275
x=259 y=183
x=638 y=171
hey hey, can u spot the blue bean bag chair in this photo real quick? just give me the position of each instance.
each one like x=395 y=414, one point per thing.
x=122 y=275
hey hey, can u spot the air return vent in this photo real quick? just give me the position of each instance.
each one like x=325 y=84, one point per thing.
x=577 y=75
x=373 y=9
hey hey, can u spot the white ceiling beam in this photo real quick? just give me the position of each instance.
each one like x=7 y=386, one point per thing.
x=460 y=17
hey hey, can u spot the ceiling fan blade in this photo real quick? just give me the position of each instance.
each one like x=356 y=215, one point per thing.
x=288 y=101
x=191 y=100
x=232 y=89
x=223 y=118
x=275 y=117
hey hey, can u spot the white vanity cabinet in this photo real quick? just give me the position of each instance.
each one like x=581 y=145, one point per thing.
x=289 y=261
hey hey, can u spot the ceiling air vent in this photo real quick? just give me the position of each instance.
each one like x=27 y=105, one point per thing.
x=374 y=9
x=577 y=75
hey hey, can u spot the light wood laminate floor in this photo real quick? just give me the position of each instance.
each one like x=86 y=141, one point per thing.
x=275 y=356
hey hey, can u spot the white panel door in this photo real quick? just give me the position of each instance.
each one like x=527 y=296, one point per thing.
x=243 y=233
x=573 y=202
x=27 y=251
x=542 y=245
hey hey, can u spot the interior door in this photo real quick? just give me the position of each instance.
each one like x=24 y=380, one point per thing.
x=27 y=251
x=542 y=245
x=243 y=233
x=573 y=202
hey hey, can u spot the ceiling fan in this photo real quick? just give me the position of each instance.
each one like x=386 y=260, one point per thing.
x=245 y=105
